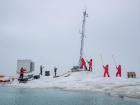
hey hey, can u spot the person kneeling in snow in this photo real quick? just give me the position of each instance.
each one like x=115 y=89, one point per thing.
x=118 y=73
x=106 y=70
x=83 y=63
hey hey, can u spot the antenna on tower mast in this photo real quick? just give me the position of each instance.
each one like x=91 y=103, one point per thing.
x=82 y=35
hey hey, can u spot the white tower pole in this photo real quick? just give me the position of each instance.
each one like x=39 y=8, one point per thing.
x=82 y=36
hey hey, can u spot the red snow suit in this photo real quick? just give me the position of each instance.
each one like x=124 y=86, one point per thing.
x=21 y=72
x=83 y=63
x=106 y=71
x=90 y=65
x=118 y=73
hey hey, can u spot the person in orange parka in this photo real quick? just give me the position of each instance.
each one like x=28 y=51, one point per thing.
x=21 y=73
x=90 y=65
x=106 y=70
x=83 y=63
x=119 y=69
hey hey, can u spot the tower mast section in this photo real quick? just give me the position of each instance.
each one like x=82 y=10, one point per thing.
x=82 y=36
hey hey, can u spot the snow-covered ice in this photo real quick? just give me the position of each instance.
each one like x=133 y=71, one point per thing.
x=85 y=80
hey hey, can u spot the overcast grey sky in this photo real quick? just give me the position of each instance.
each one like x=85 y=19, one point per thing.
x=47 y=31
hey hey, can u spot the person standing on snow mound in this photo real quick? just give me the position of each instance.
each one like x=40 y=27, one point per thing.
x=21 y=73
x=106 y=70
x=90 y=65
x=118 y=73
x=83 y=63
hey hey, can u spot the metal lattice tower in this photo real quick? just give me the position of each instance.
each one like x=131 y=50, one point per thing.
x=82 y=35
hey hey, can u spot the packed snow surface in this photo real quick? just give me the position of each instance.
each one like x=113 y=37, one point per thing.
x=85 y=80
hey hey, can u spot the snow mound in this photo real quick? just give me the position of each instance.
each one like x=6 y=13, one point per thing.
x=85 y=80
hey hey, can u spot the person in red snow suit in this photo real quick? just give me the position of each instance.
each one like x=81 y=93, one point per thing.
x=106 y=70
x=119 y=69
x=21 y=73
x=83 y=63
x=90 y=65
